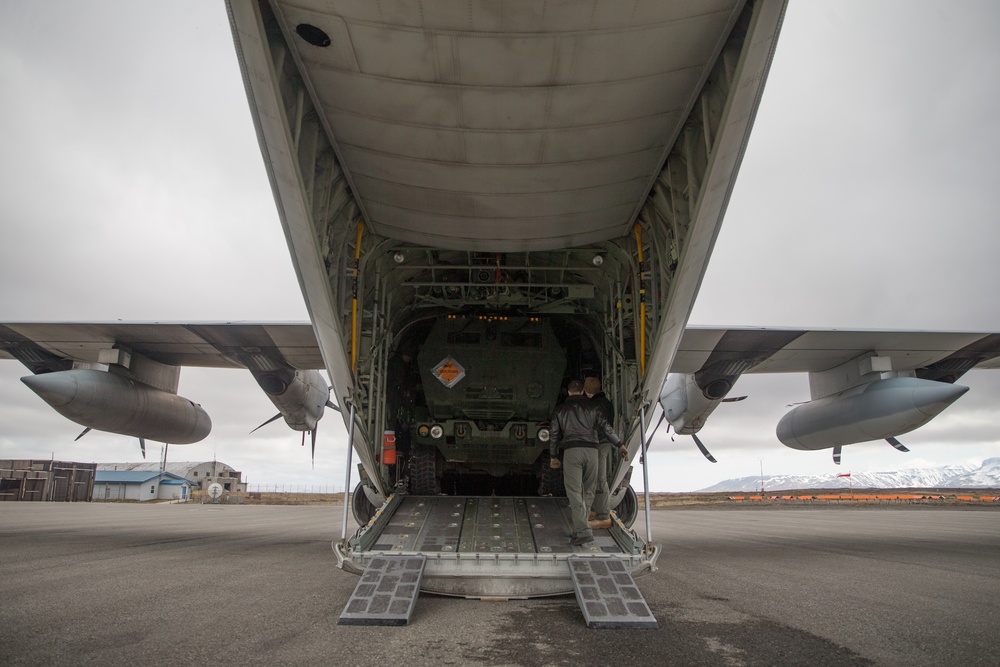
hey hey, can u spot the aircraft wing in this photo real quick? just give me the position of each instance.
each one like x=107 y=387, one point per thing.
x=864 y=385
x=754 y=350
x=213 y=345
x=733 y=351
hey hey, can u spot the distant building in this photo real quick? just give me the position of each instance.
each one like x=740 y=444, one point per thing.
x=25 y=479
x=140 y=485
x=199 y=474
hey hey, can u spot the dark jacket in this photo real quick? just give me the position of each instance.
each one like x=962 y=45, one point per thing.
x=578 y=423
x=609 y=411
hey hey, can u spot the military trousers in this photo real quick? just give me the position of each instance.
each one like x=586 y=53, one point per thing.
x=580 y=479
x=602 y=493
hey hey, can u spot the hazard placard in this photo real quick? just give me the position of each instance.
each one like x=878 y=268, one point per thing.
x=449 y=372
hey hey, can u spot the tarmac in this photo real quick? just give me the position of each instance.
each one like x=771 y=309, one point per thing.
x=94 y=583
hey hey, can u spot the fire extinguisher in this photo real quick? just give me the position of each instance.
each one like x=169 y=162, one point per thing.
x=389 y=448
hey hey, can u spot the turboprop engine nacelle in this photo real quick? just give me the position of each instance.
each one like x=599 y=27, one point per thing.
x=108 y=402
x=882 y=409
x=686 y=406
x=300 y=396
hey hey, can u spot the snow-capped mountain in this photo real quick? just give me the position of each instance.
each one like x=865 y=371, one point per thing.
x=965 y=476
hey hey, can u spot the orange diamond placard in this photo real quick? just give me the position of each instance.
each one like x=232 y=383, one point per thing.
x=449 y=372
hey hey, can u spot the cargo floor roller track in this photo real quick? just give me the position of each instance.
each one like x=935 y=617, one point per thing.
x=488 y=546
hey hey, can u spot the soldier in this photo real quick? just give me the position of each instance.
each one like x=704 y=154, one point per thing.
x=575 y=425
x=605 y=457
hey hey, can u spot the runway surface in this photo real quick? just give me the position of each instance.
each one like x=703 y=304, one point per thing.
x=200 y=584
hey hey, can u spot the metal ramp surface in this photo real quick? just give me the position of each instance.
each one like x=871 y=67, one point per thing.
x=386 y=593
x=478 y=524
x=607 y=594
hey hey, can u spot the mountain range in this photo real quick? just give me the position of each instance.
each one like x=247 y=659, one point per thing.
x=966 y=476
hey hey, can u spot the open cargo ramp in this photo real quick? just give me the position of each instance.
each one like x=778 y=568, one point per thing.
x=488 y=547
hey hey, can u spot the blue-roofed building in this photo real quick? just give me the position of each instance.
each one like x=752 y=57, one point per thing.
x=140 y=485
x=200 y=473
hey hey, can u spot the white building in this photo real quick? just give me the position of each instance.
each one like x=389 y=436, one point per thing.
x=199 y=474
x=140 y=485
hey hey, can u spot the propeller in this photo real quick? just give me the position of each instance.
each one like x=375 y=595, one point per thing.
x=277 y=416
x=892 y=441
x=330 y=404
x=703 y=449
x=316 y=428
x=313 y=432
x=701 y=446
x=897 y=444
x=142 y=441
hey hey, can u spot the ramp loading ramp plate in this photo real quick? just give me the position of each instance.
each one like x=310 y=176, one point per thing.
x=386 y=593
x=607 y=594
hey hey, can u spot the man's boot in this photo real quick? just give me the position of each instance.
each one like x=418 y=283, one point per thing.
x=597 y=524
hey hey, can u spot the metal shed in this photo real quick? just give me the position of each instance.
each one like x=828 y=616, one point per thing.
x=28 y=479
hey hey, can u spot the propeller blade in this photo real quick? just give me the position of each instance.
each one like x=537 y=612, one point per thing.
x=734 y=399
x=85 y=432
x=142 y=447
x=836 y=454
x=268 y=421
x=333 y=406
x=315 y=428
x=704 y=451
x=897 y=444
x=303 y=438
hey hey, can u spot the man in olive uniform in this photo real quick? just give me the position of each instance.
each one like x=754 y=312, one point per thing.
x=605 y=457
x=575 y=427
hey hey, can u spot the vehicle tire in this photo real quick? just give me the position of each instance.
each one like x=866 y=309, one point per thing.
x=628 y=507
x=423 y=470
x=362 y=508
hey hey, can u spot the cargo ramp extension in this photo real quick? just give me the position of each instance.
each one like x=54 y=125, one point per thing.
x=489 y=547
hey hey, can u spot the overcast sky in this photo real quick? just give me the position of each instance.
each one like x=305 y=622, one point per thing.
x=132 y=187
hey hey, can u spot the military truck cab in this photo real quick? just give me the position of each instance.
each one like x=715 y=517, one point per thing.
x=489 y=385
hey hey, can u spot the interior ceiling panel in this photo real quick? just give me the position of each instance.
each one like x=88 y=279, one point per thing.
x=518 y=119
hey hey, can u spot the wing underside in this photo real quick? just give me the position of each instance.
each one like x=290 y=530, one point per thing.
x=43 y=347
x=752 y=350
x=771 y=350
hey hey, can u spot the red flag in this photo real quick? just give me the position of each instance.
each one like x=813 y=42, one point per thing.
x=844 y=474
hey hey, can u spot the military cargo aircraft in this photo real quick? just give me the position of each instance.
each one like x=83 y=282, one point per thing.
x=481 y=202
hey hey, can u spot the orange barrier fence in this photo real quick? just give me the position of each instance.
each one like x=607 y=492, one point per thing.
x=867 y=497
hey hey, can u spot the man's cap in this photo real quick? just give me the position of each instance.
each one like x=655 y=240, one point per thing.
x=574 y=387
x=591 y=385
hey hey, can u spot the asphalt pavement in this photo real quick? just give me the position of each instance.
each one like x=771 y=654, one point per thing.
x=90 y=583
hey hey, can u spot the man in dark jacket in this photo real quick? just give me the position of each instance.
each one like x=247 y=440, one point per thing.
x=606 y=455
x=575 y=427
